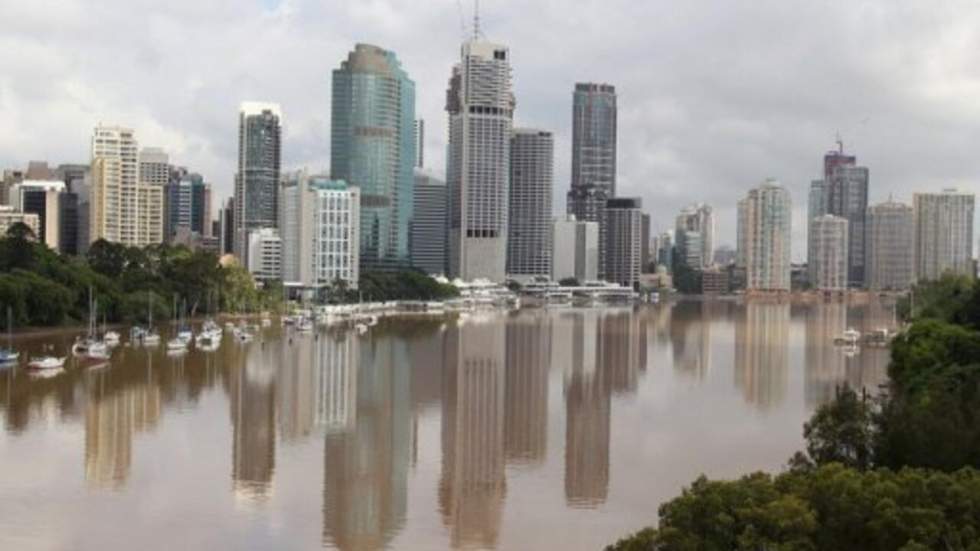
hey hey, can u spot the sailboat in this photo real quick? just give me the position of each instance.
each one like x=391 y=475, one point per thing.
x=150 y=337
x=8 y=355
x=110 y=338
x=177 y=344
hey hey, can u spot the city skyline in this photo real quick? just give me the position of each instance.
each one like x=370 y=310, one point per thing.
x=676 y=147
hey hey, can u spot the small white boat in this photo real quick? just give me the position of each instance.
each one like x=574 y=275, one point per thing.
x=47 y=362
x=98 y=350
x=229 y=325
x=176 y=344
x=305 y=325
x=361 y=328
x=850 y=336
x=150 y=338
x=266 y=322
x=111 y=338
x=8 y=356
x=242 y=334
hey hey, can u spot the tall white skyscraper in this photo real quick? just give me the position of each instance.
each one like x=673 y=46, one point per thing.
x=764 y=237
x=529 y=243
x=891 y=246
x=121 y=208
x=828 y=248
x=943 y=234
x=481 y=111
x=319 y=226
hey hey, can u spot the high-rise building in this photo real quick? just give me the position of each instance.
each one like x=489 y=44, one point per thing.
x=265 y=254
x=121 y=208
x=594 y=136
x=10 y=177
x=481 y=112
x=43 y=198
x=588 y=203
x=154 y=166
x=624 y=233
x=428 y=243
x=646 y=256
x=594 y=120
x=665 y=249
x=694 y=236
x=891 y=246
x=187 y=204
x=943 y=234
x=419 y=143
x=844 y=192
x=319 y=225
x=372 y=146
x=828 y=247
x=226 y=219
x=576 y=249
x=10 y=216
x=764 y=237
x=257 y=179
x=39 y=170
x=529 y=244
x=74 y=207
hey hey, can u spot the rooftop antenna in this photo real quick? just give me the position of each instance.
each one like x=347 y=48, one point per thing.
x=476 y=19
x=840 y=143
x=462 y=21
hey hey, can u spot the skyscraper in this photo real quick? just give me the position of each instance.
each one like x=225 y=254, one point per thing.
x=844 y=192
x=428 y=243
x=186 y=204
x=891 y=246
x=41 y=197
x=372 y=146
x=319 y=225
x=529 y=241
x=943 y=234
x=594 y=136
x=576 y=249
x=481 y=111
x=594 y=122
x=828 y=247
x=694 y=236
x=623 y=237
x=419 y=143
x=122 y=209
x=257 y=179
x=764 y=237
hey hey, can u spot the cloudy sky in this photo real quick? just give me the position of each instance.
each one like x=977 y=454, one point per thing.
x=714 y=96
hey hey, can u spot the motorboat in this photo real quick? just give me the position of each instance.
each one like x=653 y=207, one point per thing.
x=98 y=350
x=305 y=325
x=47 y=362
x=110 y=338
x=176 y=344
x=242 y=334
x=150 y=338
x=849 y=337
x=361 y=328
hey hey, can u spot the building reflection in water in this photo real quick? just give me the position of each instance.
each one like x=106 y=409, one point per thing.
x=528 y=359
x=113 y=414
x=608 y=354
x=824 y=362
x=252 y=397
x=762 y=352
x=587 y=414
x=367 y=448
x=690 y=337
x=472 y=486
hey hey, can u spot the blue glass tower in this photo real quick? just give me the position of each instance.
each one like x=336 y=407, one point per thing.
x=372 y=146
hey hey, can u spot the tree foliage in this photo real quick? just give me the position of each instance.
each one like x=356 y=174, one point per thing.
x=403 y=285
x=44 y=288
x=831 y=508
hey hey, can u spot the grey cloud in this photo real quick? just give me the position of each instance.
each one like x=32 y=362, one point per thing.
x=714 y=96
